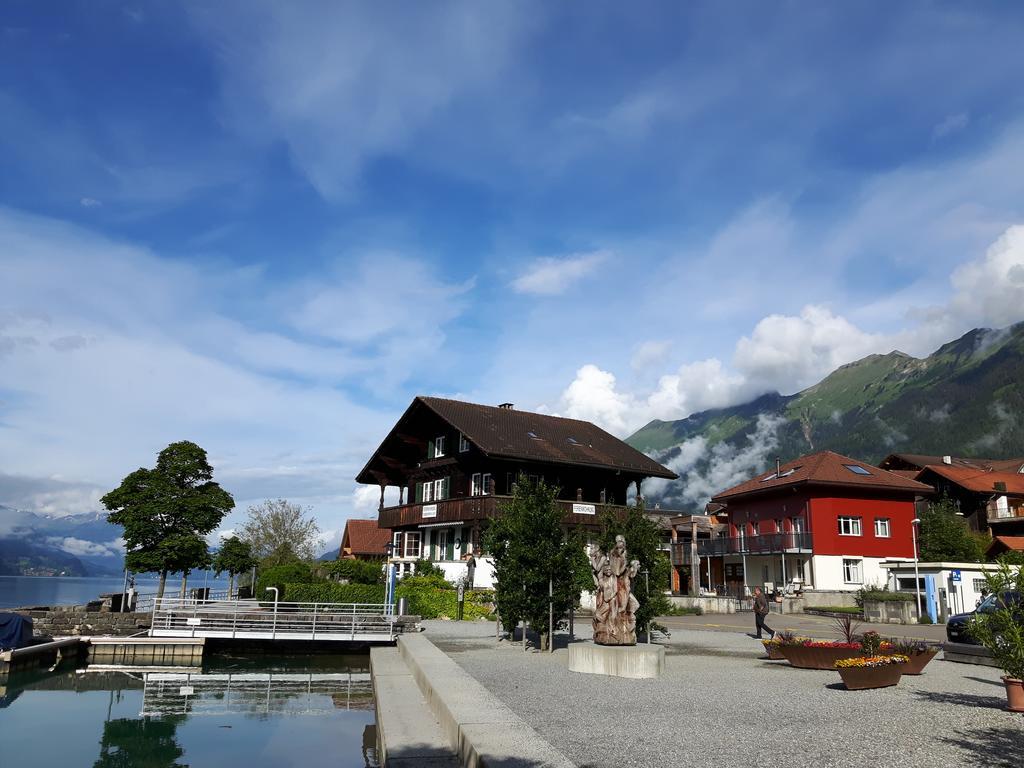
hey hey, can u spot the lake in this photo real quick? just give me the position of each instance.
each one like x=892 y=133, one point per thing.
x=16 y=591
x=308 y=711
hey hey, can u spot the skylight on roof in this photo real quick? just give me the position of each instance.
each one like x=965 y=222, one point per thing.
x=534 y=436
x=856 y=469
x=572 y=441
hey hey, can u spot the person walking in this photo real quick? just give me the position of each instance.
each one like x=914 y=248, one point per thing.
x=760 y=611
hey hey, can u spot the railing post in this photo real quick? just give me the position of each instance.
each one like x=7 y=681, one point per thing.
x=314 y=620
x=234 y=620
x=353 y=621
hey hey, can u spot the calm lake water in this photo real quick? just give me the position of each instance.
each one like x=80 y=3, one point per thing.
x=305 y=711
x=17 y=591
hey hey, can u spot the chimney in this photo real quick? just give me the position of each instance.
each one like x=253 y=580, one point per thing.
x=506 y=406
x=778 y=467
x=947 y=459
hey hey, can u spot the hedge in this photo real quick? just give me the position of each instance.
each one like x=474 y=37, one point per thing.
x=423 y=599
x=885 y=596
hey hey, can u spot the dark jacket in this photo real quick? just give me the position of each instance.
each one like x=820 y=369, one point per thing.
x=760 y=604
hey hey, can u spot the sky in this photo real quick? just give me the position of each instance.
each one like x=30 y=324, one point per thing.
x=265 y=227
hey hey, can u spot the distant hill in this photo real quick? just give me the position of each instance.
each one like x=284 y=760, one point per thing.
x=964 y=399
x=72 y=545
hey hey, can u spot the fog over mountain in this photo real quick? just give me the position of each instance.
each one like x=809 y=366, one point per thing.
x=73 y=545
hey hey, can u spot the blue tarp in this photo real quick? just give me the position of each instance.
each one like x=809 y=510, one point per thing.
x=15 y=631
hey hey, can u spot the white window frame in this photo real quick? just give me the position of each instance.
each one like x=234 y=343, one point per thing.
x=412 y=537
x=854 y=524
x=463 y=443
x=396 y=544
x=853 y=571
x=476 y=480
x=883 y=524
x=439 y=489
x=485 y=484
x=428 y=491
x=797 y=523
x=439 y=447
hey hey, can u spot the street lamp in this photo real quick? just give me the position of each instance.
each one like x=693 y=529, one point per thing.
x=389 y=588
x=917 y=576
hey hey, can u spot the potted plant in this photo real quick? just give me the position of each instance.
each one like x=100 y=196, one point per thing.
x=918 y=652
x=1001 y=630
x=773 y=647
x=823 y=654
x=861 y=672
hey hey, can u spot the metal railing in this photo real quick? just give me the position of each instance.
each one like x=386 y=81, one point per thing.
x=175 y=617
x=764 y=544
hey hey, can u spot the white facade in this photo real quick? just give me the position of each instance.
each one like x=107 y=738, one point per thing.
x=842 y=573
x=953 y=596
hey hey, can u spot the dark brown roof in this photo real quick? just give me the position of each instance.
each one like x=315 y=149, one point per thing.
x=825 y=468
x=979 y=480
x=1001 y=544
x=920 y=461
x=363 y=537
x=511 y=434
x=514 y=434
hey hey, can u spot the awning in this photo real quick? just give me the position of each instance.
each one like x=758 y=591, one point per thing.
x=456 y=524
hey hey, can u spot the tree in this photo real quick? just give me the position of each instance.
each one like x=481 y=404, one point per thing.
x=945 y=536
x=167 y=511
x=643 y=543
x=530 y=546
x=279 y=532
x=235 y=556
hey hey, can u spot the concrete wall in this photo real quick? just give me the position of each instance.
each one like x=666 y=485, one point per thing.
x=890 y=611
x=71 y=620
x=828 y=572
x=706 y=604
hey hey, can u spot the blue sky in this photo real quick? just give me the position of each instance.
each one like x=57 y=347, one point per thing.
x=266 y=226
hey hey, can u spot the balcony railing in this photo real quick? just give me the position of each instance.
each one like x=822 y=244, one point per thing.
x=477 y=507
x=764 y=544
x=996 y=514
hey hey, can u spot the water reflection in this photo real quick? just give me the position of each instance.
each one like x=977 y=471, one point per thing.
x=248 y=713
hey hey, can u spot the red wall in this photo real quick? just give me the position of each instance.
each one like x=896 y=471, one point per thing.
x=762 y=512
x=825 y=514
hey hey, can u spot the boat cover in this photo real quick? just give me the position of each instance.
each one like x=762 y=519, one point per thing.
x=15 y=631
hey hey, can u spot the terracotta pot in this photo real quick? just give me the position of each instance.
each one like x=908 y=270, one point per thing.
x=860 y=678
x=802 y=657
x=1014 y=694
x=774 y=652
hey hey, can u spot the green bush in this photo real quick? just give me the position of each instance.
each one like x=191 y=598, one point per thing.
x=332 y=592
x=924 y=618
x=851 y=609
x=281 y=575
x=881 y=595
x=681 y=610
x=354 y=571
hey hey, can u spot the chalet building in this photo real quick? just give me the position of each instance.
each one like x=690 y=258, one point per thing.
x=454 y=464
x=822 y=521
x=989 y=493
x=363 y=540
x=691 y=574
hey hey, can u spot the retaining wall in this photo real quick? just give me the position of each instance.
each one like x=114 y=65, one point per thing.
x=73 y=620
x=890 y=611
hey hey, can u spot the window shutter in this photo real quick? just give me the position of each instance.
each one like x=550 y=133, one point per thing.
x=419 y=492
x=430 y=449
x=445 y=485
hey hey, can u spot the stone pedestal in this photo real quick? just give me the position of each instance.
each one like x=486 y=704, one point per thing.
x=633 y=661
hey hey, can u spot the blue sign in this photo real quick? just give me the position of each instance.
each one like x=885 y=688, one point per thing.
x=955 y=574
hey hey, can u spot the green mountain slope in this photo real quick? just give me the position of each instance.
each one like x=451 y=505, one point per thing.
x=964 y=399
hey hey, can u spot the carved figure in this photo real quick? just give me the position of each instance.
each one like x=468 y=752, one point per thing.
x=615 y=610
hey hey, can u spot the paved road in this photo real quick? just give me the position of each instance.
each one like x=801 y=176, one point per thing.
x=820 y=627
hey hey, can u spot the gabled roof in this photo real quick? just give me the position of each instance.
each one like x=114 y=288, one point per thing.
x=919 y=461
x=825 y=468
x=511 y=434
x=978 y=480
x=1001 y=544
x=363 y=537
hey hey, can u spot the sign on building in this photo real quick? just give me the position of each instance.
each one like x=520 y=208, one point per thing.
x=430 y=510
x=954 y=575
x=584 y=509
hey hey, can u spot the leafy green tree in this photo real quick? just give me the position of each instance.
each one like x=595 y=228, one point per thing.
x=355 y=571
x=1001 y=630
x=167 y=511
x=643 y=543
x=234 y=557
x=530 y=546
x=946 y=536
x=279 y=532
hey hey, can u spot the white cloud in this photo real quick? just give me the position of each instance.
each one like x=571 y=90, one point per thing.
x=89 y=202
x=551 y=277
x=592 y=396
x=695 y=387
x=650 y=354
x=951 y=124
x=74 y=546
x=347 y=83
x=990 y=290
x=366 y=499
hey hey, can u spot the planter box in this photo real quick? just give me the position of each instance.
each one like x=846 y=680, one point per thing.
x=802 y=657
x=1014 y=694
x=774 y=651
x=861 y=678
x=918 y=661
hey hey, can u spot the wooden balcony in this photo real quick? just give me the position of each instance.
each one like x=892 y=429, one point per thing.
x=1014 y=510
x=469 y=508
x=764 y=544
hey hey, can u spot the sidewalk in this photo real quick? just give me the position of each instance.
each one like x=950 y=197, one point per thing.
x=821 y=627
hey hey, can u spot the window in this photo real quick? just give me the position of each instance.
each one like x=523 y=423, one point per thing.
x=797 y=523
x=476 y=487
x=439 y=447
x=412 y=544
x=857 y=469
x=778 y=526
x=849 y=526
x=882 y=527
x=487 y=483
x=851 y=572
x=428 y=492
x=980 y=585
x=396 y=544
x=463 y=443
x=441 y=489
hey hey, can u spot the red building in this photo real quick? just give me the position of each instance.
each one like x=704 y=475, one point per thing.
x=363 y=540
x=822 y=521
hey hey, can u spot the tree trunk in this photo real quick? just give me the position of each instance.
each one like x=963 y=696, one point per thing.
x=231 y=584
x=545 y=638
x=184 y=581
x=163 y=581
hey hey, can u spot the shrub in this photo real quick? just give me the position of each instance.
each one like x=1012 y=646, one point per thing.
x=924 y=618
x=354 y=571
x=427 y=568
x=281 y=575
x=881 y=595
x=851 y=609
x=426 y=599
x=683 y=610
x=332 y=592
x=870 y=643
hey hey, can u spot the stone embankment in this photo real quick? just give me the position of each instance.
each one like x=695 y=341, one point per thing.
x=76 y=620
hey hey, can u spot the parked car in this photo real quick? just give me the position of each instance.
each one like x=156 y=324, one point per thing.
x=956 y=627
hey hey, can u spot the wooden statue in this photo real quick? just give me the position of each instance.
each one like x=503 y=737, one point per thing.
x=615 y=610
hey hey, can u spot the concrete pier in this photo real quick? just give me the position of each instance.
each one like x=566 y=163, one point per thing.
x=147 y=651
x=40 y=656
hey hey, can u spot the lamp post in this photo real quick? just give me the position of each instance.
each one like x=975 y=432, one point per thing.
x=917 y=576
x=389 y=585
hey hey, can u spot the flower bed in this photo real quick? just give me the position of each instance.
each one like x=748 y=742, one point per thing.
x=918 y=652
x=773 y=649
x=819 y=654
x=863 y=672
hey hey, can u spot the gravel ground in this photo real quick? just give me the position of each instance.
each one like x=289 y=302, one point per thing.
x=720 y=703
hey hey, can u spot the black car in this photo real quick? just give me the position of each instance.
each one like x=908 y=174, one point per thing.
x=956 y=627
